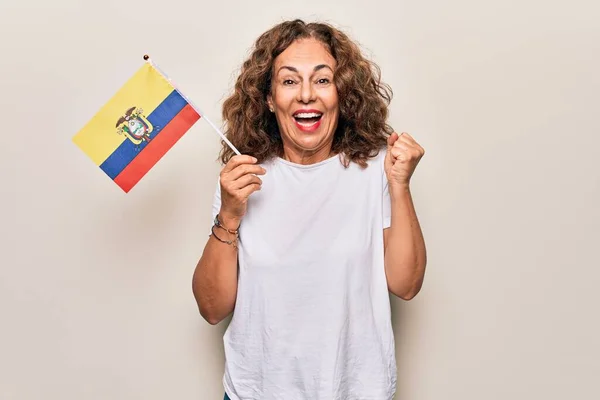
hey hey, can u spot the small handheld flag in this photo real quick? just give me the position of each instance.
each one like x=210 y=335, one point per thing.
x=138 y=125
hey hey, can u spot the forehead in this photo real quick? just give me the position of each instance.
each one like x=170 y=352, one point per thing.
x=305 y=54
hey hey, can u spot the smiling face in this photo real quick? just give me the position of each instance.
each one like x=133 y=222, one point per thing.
x=304 y=99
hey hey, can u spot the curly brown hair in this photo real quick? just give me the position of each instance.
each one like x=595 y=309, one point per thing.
x=363 y=99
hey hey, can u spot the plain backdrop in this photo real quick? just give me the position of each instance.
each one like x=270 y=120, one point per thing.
x=95 y=284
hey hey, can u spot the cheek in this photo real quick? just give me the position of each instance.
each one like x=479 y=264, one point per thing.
x=332 y=103
x=283 y=99
x=333 y=110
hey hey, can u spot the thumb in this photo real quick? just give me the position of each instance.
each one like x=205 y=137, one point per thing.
x=392 y=139
x=390 y=143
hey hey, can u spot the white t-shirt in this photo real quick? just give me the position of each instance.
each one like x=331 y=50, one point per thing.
x=312 y=318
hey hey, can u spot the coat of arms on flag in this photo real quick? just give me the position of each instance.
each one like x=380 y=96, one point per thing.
x=136 y=127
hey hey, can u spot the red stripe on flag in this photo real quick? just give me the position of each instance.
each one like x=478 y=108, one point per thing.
x=157 y=148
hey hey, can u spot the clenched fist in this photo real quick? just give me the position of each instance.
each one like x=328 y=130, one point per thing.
x=403 y=156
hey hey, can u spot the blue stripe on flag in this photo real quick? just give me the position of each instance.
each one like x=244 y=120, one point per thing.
x=159 y=118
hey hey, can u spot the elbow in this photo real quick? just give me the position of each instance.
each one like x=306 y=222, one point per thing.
x=208 y=310
x=410 y=294
x=212 y=320
x=212 y=311
x=406 y=286
x=211 y=316
x=406 y=294
x=208 y=307
x=406 y=290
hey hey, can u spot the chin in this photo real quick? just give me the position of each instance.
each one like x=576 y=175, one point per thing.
x=313 y=143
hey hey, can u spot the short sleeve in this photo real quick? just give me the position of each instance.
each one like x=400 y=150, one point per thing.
x=385 y=197
x=216 y=205
x=386 y=206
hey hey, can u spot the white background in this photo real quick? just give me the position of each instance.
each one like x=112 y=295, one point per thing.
x=95 y=284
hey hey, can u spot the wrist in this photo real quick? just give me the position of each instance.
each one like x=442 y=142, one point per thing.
x=399 y=189
x=229 y=221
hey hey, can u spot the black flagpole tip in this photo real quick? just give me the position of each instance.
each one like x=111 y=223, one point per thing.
x=146 y=57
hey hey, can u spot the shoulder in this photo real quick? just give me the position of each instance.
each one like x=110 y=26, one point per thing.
x=372 y=171
x=377 y=159
x=380 y=157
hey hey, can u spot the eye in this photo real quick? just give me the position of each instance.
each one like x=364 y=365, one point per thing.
x=288 y=82
x=323 y=81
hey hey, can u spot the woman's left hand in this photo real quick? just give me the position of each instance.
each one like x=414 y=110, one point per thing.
x=403 y=155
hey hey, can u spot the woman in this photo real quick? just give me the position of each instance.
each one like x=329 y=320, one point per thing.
x=313 y=224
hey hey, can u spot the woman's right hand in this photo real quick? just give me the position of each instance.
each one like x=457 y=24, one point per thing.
x=238 y=181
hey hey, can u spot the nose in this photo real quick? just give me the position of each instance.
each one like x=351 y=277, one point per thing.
x=306 y=93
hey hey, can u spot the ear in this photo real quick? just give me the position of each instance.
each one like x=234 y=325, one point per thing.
x=270 y=102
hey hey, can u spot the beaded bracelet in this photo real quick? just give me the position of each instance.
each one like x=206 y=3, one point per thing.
x=229 y=242
x=218 y=224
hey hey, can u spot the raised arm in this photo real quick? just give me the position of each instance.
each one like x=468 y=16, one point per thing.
x=405 y=253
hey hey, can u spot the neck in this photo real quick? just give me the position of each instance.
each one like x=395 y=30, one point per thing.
x=306 y=157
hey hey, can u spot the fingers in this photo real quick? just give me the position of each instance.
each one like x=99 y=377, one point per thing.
x=406 y=147
x=240 y=173
x=398 y=145
x=246 y=180
x=245 y=192
x=398 y=151
x=238 y=181
x=237 y=197
x=236 y=161
x=404 y=137
x=239 y=166
x=245 y=169
x=411 y=142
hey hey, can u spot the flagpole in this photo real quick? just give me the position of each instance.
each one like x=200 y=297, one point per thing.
x=149 y=60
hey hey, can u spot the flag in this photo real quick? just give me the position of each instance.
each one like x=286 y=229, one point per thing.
x=136 y=127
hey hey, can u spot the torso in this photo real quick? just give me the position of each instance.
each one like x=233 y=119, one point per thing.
x=312 y=318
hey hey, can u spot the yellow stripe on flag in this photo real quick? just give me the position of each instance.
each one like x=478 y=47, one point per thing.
x=146 y=89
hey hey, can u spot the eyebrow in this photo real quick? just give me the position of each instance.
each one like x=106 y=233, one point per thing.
x=315 y=69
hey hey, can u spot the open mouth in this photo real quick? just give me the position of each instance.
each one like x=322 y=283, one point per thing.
x=308 y=119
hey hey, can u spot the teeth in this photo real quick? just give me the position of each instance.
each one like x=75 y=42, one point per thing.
x=307 y=115
x=303 y=123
